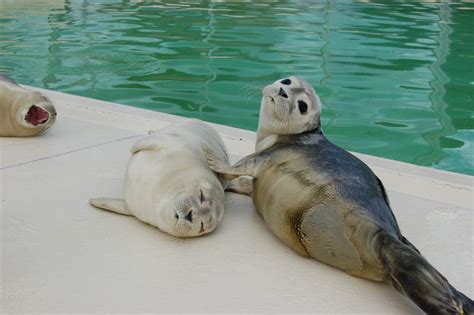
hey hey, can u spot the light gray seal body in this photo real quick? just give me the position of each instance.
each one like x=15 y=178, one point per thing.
x=168 y=183
x=325 y=203
x=23 y=113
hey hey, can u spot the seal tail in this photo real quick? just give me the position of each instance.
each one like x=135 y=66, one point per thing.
x=111 y=204
x=411 y=274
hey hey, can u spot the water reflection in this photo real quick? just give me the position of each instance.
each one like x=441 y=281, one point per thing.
x=394 y=77
x=438 y=90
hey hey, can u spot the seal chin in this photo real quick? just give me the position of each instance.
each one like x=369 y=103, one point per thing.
x=36 y=115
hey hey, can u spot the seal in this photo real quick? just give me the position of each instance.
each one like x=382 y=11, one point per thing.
x=169 y=184
x=325 y=203
x=23 y=113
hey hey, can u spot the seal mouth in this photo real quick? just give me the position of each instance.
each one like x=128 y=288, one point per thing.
x=36 y=115
x=202 y=228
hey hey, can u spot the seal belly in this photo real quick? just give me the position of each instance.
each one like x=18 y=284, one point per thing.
x=311 y=221
x=333 y=234
x=280 y=199
x=324 y=237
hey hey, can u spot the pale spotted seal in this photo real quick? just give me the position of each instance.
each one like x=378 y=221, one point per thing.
x=325 y=203
x=169 y=184
x=23 y=113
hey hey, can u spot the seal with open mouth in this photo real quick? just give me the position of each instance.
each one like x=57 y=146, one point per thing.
x=23 y=113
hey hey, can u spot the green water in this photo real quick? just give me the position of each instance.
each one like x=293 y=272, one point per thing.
x=396 y=77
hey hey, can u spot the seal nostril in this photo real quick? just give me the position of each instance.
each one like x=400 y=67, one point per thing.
x=282 y=93
x=189 y=217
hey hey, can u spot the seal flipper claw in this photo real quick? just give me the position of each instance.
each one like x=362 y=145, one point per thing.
x=411 y=274
x=218 y=166
x=465 y=301
x=111 y=204
x=247 y=166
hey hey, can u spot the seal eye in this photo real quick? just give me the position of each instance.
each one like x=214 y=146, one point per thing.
x=201 y=196
x=303 y=107
x=286 y=82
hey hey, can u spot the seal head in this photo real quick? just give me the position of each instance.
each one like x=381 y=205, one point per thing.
x=194 y=211
x=23 y=113
x=288 y=106
x=40 y=115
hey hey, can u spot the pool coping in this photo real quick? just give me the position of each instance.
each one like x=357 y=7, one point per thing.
x=391 y=172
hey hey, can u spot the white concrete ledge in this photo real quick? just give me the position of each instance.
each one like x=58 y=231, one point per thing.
x=61 y=255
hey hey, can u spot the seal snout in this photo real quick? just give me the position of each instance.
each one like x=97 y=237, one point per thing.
x=188 y=217
x=36 y=115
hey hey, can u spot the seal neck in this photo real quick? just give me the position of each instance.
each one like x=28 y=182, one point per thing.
x=316 y=130
x=307 y=137
x=264 y=140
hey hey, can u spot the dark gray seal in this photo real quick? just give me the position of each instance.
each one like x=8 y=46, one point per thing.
x=325 y=203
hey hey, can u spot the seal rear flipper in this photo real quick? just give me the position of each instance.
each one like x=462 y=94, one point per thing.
x=467 y=303
x=111 y=204
x=241 y=185
x=411 y=274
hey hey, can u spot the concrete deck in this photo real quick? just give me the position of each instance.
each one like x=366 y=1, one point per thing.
x=61 y=255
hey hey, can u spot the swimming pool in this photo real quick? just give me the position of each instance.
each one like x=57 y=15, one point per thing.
x=396 y=79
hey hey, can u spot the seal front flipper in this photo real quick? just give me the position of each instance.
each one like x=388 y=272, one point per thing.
x=248 y=166
x=111 y=204
x=412 y=275
x=242 y=185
